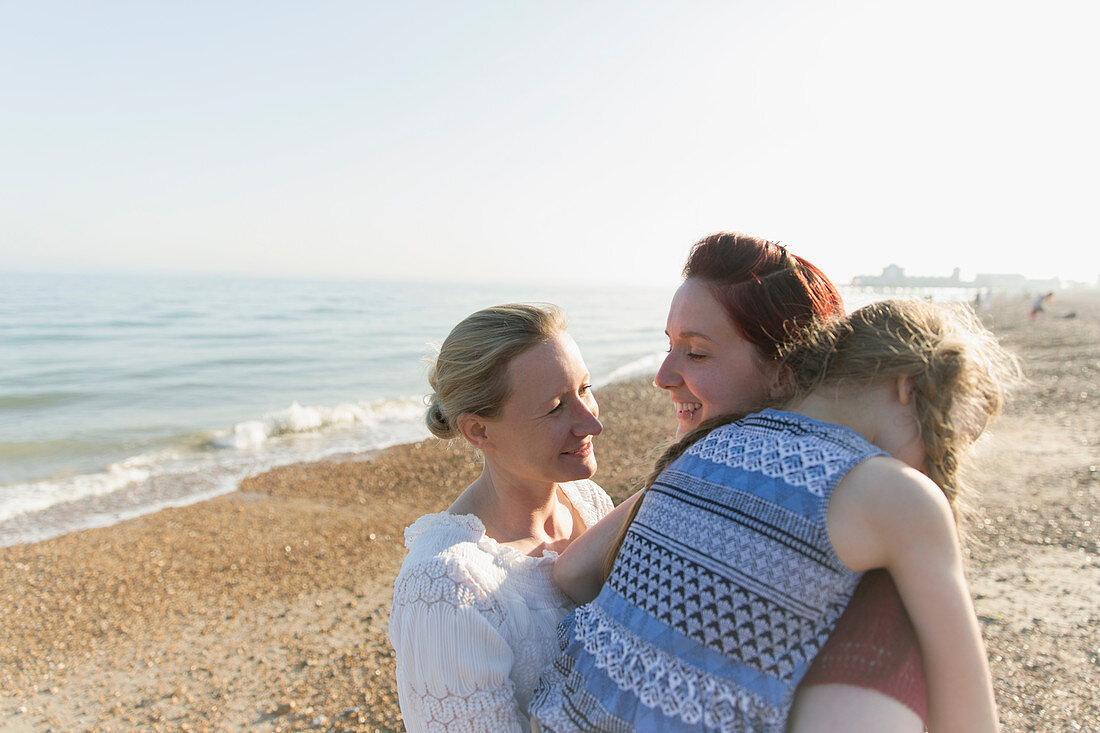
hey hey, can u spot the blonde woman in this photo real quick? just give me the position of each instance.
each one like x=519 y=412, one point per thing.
x=475 y=608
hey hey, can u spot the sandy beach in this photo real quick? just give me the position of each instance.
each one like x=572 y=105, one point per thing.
x=266 y=609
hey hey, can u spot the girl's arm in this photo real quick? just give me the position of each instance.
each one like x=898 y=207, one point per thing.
x=579 y=572
x=884 y=514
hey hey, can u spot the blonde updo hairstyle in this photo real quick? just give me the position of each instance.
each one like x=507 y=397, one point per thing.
x=470 y=374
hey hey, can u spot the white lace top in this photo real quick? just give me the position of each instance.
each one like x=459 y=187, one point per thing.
x=474 y=622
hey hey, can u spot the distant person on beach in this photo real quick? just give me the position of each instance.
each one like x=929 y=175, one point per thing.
x=754 y=530
x=1038 y=306
x=475 y=608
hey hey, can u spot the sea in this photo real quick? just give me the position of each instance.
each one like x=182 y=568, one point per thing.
x=122 y=395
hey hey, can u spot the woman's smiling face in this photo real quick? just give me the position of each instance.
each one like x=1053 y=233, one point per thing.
x=545 y=429
x=711 y=369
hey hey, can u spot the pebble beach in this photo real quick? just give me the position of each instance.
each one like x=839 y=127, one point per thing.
x=266 y=609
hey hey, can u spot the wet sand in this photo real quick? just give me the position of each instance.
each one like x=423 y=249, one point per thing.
x=266 y=609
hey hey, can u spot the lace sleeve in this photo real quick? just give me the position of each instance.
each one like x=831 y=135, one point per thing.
x=452 y=663
x=589 y=499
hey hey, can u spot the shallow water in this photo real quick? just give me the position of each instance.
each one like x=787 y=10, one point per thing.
x=119 y=395
x=123 y=394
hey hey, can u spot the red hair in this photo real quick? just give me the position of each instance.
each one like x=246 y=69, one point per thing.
x=769 y=293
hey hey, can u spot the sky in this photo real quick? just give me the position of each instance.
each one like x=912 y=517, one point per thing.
x=590 y=142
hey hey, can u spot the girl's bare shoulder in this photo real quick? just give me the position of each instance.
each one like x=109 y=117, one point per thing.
x=886 y=486
x=882 y=506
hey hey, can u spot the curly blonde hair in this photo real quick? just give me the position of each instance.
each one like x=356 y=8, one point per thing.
x=960 y=375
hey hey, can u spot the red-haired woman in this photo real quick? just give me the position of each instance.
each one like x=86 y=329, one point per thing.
x=741 y=298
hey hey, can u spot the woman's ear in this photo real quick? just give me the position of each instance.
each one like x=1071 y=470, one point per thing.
x=905 y=389
x=473 y=429
x=780 y=381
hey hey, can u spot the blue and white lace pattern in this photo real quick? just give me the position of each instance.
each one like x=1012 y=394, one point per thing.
x=781 y=445
x=687 y=695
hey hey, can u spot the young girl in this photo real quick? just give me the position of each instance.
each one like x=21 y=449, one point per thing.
x=752 y=536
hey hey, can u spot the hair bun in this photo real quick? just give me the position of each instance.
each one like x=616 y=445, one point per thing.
x=436 y=421
x=470 y=374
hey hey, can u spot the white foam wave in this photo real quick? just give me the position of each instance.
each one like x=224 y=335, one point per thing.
x=192 y=472
x=298 y=419
x=34 y=496
x=173 y=477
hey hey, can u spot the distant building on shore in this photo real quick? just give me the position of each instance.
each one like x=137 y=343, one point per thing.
x=893 y=276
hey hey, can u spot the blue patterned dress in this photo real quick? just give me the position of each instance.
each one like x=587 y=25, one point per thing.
x=724 y=590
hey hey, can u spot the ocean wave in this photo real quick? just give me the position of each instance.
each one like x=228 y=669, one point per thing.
x=191 y=384
x=298 y=419
x=39 y=399
x=180 y=315
x=200 y=465
x=27 y=498
x=50 y=334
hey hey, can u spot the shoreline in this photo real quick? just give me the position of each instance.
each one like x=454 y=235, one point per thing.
x=266 y=608
x=187 y=475
x=183 y=487
x=149 y=463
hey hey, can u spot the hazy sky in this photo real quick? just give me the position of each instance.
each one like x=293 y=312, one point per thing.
x=589 y=141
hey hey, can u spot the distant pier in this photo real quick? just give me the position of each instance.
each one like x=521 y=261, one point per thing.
x=893 y=276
